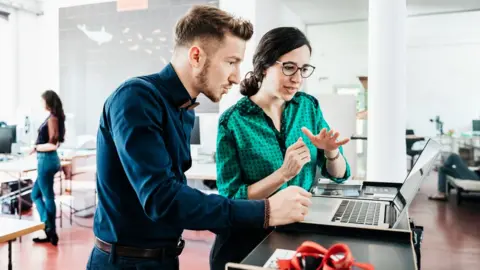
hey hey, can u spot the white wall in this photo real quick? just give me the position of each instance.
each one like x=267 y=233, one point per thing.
x=31 y=66
x=443 y=60
x=7 y=67
x=271 y=14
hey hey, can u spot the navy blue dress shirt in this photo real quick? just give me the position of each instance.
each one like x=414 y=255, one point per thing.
x=143 y=151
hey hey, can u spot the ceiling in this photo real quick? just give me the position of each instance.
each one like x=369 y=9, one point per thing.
x=323 y=11
x=328 y=11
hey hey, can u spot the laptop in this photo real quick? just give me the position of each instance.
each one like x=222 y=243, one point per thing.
x=375 y=213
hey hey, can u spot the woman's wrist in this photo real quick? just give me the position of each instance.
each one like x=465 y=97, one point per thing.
x=282 y=175
x=332 y=155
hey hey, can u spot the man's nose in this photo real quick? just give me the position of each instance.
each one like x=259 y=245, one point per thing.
x=235 y=77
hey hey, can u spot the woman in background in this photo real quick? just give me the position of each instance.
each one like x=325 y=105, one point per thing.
x=50 y=134
x=266 y=141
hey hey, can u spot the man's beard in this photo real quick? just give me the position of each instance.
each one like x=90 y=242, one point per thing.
x=203 y=86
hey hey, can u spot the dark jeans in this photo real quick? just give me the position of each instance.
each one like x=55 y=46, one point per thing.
x=455 y=167
x=42 y=191
x=101 y=260
x=234 y=245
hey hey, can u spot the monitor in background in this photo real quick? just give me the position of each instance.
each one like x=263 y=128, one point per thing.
x=6 y=139
x=476 y=126
x=14 y=133
x=195 y=136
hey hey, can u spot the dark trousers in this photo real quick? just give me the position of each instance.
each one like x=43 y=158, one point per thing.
x=48 y=164
x=101 y=260
x=456 y=167
x=234 y=245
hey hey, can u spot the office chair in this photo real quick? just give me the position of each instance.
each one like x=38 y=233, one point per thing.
x=410 y=142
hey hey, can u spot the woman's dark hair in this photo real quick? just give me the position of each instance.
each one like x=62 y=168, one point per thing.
x=55 y=106
x=271 y=47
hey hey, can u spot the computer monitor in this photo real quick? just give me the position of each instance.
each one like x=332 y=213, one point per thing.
x=14 y=133
x=476 y=126
x=7 y=135
x=195 y=136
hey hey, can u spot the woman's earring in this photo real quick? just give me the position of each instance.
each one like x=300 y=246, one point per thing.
x=259 y=82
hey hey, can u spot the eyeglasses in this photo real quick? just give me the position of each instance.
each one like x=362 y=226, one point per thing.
x=290 y=68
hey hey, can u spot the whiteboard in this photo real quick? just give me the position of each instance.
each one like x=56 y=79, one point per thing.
x=340 y=112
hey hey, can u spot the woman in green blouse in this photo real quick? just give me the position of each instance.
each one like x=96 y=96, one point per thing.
x=274 y=137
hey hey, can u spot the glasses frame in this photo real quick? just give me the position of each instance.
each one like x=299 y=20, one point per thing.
x=298 y=68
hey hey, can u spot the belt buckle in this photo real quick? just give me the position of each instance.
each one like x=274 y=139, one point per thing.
x=176 y=251
x=180 y=246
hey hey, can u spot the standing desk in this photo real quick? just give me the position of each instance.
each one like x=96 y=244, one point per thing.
x=383 y=248
x=12 y=228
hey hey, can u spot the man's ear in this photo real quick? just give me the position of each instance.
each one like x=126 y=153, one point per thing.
x=196 y=56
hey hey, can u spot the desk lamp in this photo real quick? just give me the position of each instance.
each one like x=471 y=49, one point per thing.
x=438 y=124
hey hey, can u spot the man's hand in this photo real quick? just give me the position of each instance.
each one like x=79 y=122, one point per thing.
x=296 y=157
x=289 y=205
x=325 y=140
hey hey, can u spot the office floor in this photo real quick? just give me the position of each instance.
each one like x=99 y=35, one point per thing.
x=451 y=240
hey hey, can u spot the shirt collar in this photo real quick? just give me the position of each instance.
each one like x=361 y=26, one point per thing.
x=176 y=91
x=246 y=105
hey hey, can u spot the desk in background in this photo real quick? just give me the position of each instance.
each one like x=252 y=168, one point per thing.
x=202 y=171
x=17 y=168
x=74 y=156
x=10 y=229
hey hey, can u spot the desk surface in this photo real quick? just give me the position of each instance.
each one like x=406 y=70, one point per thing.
x=202 y=171
x=22 y=165
x=383 y=254
x=11 y=228
x=408 y=137
x=72 y=154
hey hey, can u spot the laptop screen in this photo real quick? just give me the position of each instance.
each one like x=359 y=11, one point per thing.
x=422 y=167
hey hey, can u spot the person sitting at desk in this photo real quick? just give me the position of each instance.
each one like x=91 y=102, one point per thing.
x=456 y=167
x=260 y=145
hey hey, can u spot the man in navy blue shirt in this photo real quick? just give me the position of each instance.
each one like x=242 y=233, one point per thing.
x=143 y=151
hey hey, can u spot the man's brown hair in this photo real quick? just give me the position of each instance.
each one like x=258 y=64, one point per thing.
x=207 y=23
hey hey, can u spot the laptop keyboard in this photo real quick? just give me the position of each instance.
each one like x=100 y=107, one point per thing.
x=358 y=212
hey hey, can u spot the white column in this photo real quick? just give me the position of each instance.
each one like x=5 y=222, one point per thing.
x=386 y=154
x=246 y=10
x=264 y=15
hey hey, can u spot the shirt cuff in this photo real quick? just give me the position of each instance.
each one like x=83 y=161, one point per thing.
x=248 y=213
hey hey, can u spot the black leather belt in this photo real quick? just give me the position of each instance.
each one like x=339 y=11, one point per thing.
x=156 y=253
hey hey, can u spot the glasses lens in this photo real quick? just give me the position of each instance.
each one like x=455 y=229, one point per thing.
x=289 y=69
x=307 y=71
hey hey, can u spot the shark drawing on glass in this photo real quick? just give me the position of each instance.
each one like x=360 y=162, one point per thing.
x=100 y=37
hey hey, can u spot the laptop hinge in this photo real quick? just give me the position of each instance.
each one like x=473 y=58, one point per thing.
x=390 y=214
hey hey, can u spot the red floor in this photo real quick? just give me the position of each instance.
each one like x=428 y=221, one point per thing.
x=451 y=240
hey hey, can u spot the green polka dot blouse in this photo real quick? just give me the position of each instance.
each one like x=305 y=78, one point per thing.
x=250 y=148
